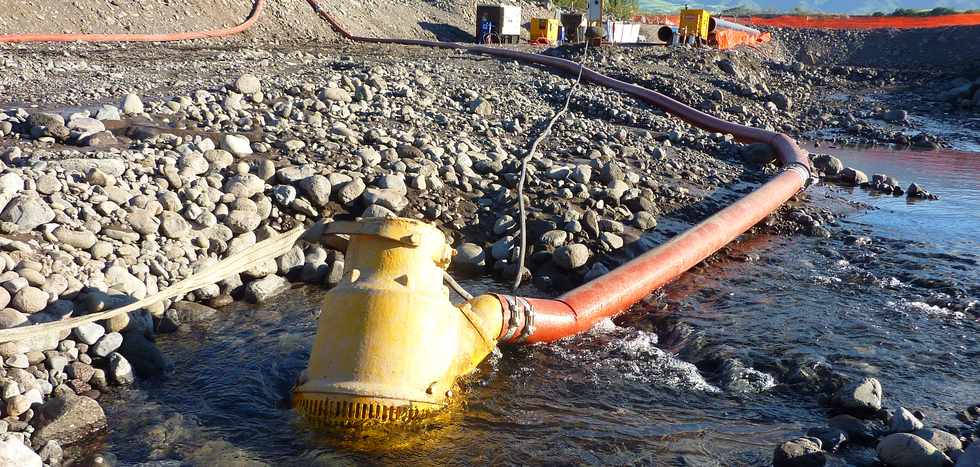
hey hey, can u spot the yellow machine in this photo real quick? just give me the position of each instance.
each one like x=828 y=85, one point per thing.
x=694 y=23
x=389 y=344
x=544 y=29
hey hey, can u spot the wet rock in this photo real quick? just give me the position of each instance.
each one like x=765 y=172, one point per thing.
x=852 y=176
x=800 y=452
x=13 y=452
x=903 y=421
x=67 y=420
x=829 y=165
x=263 y=289
x=143 y=355
x=502 y=248
x=120 y=370
x=572 y=256
x=916 y=191
x=830 y=438
x=895 y=116
x=51 y=453
x=191 y=312
x=861 y=397
x=942 y=440
x=907 y=450
x=854 y=427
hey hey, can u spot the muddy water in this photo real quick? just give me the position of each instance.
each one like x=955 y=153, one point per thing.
x=891 y=295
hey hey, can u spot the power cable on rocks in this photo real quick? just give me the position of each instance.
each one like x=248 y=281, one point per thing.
x=530 y=155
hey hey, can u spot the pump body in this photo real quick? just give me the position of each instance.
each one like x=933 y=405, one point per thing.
x=390 y=345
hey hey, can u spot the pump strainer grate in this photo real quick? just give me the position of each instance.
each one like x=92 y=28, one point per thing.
x=333 y=409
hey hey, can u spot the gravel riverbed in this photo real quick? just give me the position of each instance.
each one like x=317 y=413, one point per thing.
x=128 y=168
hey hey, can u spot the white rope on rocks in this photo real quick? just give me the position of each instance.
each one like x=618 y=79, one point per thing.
x=530 y=155
x=271 y=247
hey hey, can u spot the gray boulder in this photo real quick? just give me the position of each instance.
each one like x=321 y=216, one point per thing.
x=800 y=452
x=861 y=397
x=942 y=440
x=14 y=452
x=907 y=450
x=572 y=256
x=27 y=212
x=853 y=176
x=265 y=288
x=903 y=421
x=120 y=371
x=67 y=420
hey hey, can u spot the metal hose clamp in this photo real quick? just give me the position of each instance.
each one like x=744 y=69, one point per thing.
x=529 y=316
x=517 y=306
x=512 y=320
x=803 y=171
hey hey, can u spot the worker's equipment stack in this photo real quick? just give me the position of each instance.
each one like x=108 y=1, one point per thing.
x=498 y=24
x=544 y=30
x=694 y=26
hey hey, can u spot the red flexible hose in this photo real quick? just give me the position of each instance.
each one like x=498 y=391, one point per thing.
x=577 y=311
x=180 y=36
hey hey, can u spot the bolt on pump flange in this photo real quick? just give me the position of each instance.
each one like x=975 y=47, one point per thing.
x=390 y=345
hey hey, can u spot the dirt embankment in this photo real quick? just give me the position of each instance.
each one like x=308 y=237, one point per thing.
x=950 y=49
x=288 y=21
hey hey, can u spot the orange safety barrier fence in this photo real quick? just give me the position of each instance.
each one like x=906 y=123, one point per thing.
x=862 y=22
x=837 y=22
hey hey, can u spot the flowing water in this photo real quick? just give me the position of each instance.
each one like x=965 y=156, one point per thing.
x=891 y=295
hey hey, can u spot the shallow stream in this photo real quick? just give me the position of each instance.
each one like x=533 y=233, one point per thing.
x=891 y=295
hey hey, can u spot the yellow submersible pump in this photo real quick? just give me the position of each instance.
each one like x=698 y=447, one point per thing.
x=390 y=345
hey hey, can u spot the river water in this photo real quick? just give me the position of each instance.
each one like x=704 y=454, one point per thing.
x=891 y=295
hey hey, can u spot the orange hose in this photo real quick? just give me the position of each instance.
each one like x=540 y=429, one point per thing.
x=529 y=320
x=180 y=36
